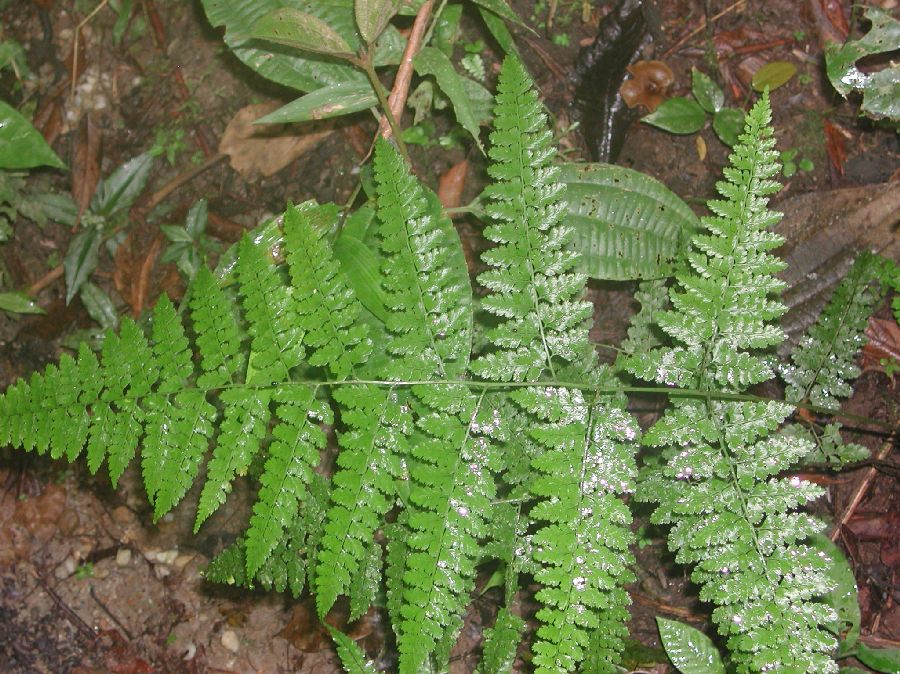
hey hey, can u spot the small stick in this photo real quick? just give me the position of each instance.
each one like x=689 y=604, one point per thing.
x=75 y=43
x=400 y=90
x=73 y=617
x=862 y=489
x=702 y=25
x=110 y=614
x=45 y=280
x=157 y=197
x=139 y=291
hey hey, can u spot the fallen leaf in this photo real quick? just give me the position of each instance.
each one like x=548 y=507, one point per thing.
x=86 y=162
x=835 y=146
x=884 y=343
x=266 y=149
x=452 y=184
x=834 y=12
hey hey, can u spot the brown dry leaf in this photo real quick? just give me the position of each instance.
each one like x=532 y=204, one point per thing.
x=304 y=631
x=884 y=343
x=86 y=162
x=452 y=184
x=266 y=149
x=835 y=146
x=834 y=12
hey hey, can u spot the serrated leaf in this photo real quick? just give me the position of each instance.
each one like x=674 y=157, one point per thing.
x=353 y=659
x=360 y=265
x=293 y=28
x=773 y=75
x=21 y=145
x=99 y=306
x=432 y=61
x=708 y=94
x=885 y=660
x=689 y=649
x=728 y=124
x=120 y=190
x=626 y=224
x=334 y=100
x=81 y=260
x=677 y=115
x=19 y=303
x=373 y=15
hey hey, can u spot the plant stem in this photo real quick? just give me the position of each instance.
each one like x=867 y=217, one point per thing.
x=368 y=65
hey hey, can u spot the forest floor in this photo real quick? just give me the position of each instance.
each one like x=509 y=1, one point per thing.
x=89 y=584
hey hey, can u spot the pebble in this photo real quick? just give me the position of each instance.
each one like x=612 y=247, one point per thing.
x=123 y=557
x=230 y=641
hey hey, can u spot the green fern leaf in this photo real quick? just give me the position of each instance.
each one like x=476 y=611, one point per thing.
x=276 y=332
x=364 y=586
x=352 y=656
x=501 y=642
x=218 y=339
x=732 y=516
x=243 y=427
x=328 y=309
x=292 y=456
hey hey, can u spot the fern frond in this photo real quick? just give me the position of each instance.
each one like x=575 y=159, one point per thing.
x=643 y=332
x=822 y=364
x=352 y=656
x=293 y=454
x=534 y=291
x=218 y=340
x=378 y=424
x=732 y=516
x=276 y=332
x=501 y=642
x=327 y=308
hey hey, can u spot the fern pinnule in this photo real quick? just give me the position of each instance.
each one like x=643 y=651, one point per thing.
x=218 y=340
x=733 y=517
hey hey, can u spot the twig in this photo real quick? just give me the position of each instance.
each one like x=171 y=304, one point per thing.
x=73 y=617
x=157 y=197
x=400 y=90
x=45 y=280
x=139 y=291
x=110 y=614
x=78 y=28
x=702 y=25
x=862 y=489
x=668 y=608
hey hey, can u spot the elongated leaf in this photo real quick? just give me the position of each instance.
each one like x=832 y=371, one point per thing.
x=360 y=265
x=677 y=115
x=708 y=94
x=501 y=9
x=691 y=651
x=773 y=75
x=500 y=32
x=81 y=260
x=300 y=30
x=373 y=15
x=21 y=145
x=334 y=100
x=626 y=224
x=431 y=61
x=19 y=303
x=843 y=598
x=99 y=306
x=119 y=191
x=880 y=659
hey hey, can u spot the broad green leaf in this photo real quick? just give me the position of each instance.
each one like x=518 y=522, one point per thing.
x=99 y=306
x=54 y=207
x=677 y=115
x=331 y=101
x=501 y=9
x=120 y=190
x=81 y=260
x=708 y=94
x=303 y=71
x=691 y=651
x=773 y=75
x=880 y=89
x=431 y=61
x=19 y=303
x=728 y=123
x=880 y=659
x=300 y=30
x=195 y=222
x=21 y=145
x=373 y=15
x=626 y=224
x=843 y=598
x=360 y=265
x=500 y=32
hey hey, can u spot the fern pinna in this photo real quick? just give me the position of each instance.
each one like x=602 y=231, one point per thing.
x=732 y=516
x=512 y=448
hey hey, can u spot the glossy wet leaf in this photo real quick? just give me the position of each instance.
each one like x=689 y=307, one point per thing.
x=708 y=94
x=99 y=306
x=677 y=115
x=81 y=260
x=728 y=124
x=773 y=75
x=360 y=264
x=626 y=224
x=843 y=598
x=352 y=656
x=19 y=303
x=332 y=101
x=431 y=61
x=195 y=222
x=880 y=659
x=300 y=30
x=500 y=32
x=120 y=190
x=689 y=649
x=880 y=89
x=373 y=15
x=21 y=145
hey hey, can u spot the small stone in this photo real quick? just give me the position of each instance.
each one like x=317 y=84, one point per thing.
x=230 y=641
x=123 y=557
x=182 y=561
x=167 y=557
